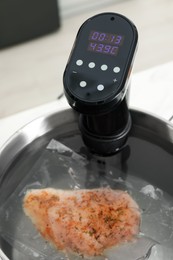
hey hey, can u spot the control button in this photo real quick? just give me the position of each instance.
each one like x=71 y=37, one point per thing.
x=83 y=84
x=79 y=62
x=104 y=67
x=100 y=87
x=116 y=69
x=91 y=65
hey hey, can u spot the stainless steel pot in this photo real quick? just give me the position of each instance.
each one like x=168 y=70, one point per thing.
x=144 y=166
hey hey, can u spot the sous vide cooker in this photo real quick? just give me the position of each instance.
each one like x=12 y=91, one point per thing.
x=96 y=80
x=98 y=143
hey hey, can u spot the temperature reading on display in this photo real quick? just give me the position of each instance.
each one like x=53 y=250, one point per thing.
x=103 y=48
x=105 y=43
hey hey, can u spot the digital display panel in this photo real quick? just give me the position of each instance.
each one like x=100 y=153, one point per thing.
x=106 y=43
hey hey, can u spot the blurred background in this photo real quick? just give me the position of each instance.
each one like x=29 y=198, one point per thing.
x=36 y=37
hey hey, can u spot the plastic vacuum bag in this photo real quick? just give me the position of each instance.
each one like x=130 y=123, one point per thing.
x=61 y=168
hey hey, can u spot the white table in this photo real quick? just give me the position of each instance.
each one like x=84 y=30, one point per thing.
x=151 y=91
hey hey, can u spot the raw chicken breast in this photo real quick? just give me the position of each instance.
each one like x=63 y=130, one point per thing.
x=83 y=221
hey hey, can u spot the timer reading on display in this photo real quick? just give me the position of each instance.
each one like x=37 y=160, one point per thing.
x=105 y=43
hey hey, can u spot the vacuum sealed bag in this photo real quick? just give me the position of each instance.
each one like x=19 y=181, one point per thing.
x=60 y=168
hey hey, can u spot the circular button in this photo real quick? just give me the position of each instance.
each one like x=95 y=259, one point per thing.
x=104 y=67
x=91 y=65
x=100 y=87
x=116 y=69
x=83 y=84
x=79 y=62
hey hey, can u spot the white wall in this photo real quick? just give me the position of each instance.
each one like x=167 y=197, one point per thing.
x=73 y=7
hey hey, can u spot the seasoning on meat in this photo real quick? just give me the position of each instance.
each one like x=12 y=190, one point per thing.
x=83 y=221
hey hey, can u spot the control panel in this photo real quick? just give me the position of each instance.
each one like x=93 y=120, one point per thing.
x=100 y=61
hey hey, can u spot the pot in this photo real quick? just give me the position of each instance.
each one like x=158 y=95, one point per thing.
x=143 y=167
